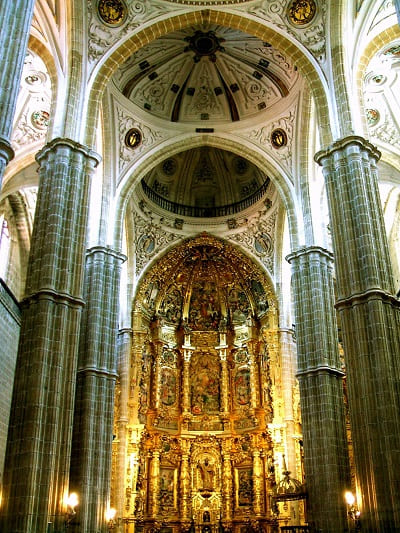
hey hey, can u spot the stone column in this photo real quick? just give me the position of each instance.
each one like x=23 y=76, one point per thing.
x=321 y=389
x=15 y=23
x=95 y=390
x=39 y=444
x=370 y=321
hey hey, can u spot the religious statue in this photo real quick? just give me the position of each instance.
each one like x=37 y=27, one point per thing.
x=206 y=470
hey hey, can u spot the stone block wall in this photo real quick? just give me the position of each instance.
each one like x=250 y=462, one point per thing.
x=10 y=319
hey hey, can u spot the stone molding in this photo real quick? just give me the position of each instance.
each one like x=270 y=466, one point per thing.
x=346 y=142
x=68 y=143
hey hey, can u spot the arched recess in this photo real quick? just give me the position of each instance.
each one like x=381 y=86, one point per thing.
x=295 y=53
x=206 y=361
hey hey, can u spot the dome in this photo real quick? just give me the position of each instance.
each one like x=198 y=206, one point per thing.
x=206 y=73
x=205 y=182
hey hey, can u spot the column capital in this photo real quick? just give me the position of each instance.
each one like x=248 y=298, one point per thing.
x=308 y=250
x=54 y=144
x=346 y=142
x=107 y=250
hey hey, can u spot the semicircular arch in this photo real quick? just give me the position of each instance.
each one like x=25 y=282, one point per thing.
x=230 y=143
x=297 y=54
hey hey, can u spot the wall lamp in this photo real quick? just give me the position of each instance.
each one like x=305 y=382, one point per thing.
x=110 y=517
x=72 y=502
x=352 y=510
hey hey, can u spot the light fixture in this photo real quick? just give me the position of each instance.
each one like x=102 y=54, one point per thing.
x=353 y=512
x=72 y=501
x=110 y=517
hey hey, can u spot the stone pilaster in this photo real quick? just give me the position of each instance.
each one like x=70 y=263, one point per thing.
x=39 y=444
x=321 y=389
x=95 y=390
x=15 y=23
x=288 y=377
x=124 y=357
x=370 y=321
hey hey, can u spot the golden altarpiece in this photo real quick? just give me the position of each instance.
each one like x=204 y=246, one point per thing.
x=207 y=426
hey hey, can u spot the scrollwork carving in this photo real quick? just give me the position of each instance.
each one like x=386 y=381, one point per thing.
x=101 y=37
x=312 y=37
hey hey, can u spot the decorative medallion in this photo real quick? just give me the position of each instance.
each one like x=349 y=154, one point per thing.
x=169 y=166
x=40 y=119
x=301 y=12
x=278 y=138
x=112 y=12
x=146 y=244
x=133 y=138
x=372 y=116
x=241 y=165
x=393 y=51
x=379 y=79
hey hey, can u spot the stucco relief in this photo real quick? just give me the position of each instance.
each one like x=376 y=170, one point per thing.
x=263 y=137
x=150 y=238
x=258 y=238
x=102 y=37
x=312 y=36
x=149 y=137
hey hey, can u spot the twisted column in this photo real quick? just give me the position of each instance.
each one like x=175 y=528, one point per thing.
x=370 y=321
x=321 y=388
x=15 y=23
x=39 y=445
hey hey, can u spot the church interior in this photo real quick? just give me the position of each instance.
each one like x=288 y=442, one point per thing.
x=200 y=266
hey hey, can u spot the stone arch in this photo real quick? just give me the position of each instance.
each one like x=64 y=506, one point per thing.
x=236 y=145
x=304 y=62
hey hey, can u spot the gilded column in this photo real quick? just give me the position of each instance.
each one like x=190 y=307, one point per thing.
x=39 y=447
x=95 y=391
x=257 y=482
x=187 y=354
x=253 y=381
x=15 y=23
x=222 y=349
x=321 y=388
x=185 y=486
x=154 y=483
x=370 y=323
x=226 y=487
